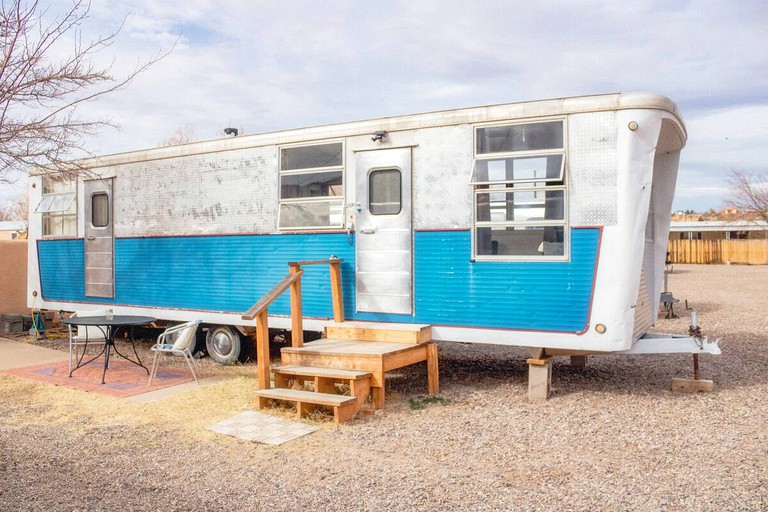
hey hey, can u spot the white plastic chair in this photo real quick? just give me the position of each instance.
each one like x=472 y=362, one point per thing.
x=177 y=340
x=86 y=335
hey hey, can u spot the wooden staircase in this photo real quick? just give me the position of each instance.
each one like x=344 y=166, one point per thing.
x=354 y=354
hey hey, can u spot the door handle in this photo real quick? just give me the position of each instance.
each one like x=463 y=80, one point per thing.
x=91 y=238
x=368 y=231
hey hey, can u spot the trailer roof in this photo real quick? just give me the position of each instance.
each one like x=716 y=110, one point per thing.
x=488 y=113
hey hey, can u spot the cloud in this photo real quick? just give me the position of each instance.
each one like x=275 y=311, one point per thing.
x=701 y=192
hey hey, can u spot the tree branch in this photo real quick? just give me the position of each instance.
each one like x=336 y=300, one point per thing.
x=39 y=99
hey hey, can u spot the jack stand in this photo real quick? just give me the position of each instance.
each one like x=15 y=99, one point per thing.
x=667 y=301
x=696 y=384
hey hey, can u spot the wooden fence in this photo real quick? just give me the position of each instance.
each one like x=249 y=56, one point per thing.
x=750 y=252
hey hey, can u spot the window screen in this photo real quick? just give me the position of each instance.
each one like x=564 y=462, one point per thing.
x=311 y=157
x=385 y=192
x=520 y=137
x=100 y=210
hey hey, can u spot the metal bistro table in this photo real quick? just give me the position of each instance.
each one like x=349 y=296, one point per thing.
x=113 y=326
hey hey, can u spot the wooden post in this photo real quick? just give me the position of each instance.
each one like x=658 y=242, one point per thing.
x=338 y=302
x=377 y=394
x=262 y=349
x=433 y=374
x=297 y=327
x=539 y=379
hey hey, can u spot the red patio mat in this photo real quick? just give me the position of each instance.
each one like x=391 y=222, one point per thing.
x=123 y=378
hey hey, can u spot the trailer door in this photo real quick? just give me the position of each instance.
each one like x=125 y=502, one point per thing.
x=384 y=254
x=99 y=239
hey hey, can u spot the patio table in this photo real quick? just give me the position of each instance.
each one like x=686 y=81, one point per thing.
x=113 y=325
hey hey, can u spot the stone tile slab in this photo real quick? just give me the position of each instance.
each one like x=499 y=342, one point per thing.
x=262 y=428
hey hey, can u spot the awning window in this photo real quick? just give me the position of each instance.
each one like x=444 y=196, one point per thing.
x=55 y=203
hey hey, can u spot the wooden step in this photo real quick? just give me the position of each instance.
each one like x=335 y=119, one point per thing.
x=324 y=380
x=379 y=331
x=344 y=407
x=313 y=371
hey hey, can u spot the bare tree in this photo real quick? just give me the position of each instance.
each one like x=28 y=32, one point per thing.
x=182 y=135
x=749 y=193
x=18 y=210
x=39 y=96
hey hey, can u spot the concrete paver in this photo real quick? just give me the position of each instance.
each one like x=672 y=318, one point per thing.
x=262 y=428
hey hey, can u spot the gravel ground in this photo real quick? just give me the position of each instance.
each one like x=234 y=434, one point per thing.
x=613 y=436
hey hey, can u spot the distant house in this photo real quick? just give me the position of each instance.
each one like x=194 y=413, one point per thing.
x=719 y=230
x=13 y=229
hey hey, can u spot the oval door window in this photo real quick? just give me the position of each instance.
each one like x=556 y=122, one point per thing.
x=100 y=210
x=384 y=192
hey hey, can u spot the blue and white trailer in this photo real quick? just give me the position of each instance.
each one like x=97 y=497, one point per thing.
x=541 y=224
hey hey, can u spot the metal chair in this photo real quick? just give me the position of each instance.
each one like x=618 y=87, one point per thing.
x=85 y=336
x=177 y=340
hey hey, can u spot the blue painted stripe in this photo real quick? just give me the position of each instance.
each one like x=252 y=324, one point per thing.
x=230 y=273
x=218 y=273
x=551 y=296
x=62 y=269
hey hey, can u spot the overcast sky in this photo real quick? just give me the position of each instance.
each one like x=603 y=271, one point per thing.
x=269 y=65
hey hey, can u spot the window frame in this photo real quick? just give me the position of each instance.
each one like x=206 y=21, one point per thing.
x=48 y=213
x=538 y=184
x=330 y=200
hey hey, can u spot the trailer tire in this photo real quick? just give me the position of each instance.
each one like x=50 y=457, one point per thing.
x=224 y=344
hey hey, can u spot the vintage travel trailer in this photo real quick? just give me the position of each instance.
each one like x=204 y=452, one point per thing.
x=541 y=224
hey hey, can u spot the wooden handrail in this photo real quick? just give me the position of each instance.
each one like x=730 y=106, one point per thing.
x=272 y=295
x=259 y=311
x=292 y=281
x=315 y=262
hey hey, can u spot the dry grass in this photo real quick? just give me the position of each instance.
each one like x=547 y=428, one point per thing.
x=191 y=412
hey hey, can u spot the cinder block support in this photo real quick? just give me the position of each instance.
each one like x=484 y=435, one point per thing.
x=693 y=385
x=539 y=379
x=579 y=361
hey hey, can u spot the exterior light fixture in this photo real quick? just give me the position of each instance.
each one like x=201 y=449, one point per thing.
x=379 y=136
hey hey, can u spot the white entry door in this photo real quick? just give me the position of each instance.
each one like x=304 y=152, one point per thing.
x=384 y=231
